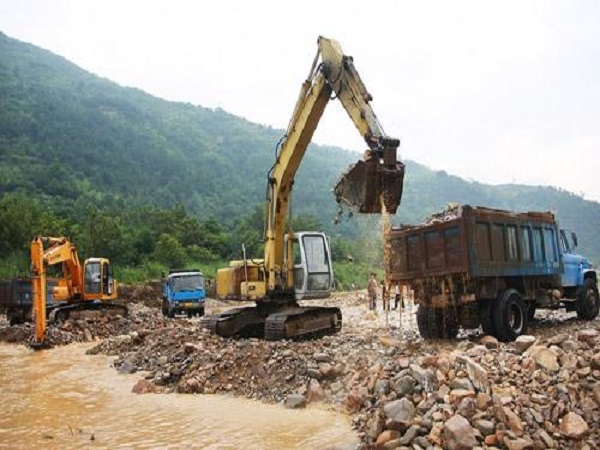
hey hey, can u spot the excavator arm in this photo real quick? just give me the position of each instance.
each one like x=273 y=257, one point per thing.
x=369 y=186
x=60 y=251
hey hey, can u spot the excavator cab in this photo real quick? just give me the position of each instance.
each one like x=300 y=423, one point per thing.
x=98 y=280
x=373 y=185
x=313 y=270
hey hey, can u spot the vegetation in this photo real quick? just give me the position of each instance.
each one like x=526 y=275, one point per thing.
x=153 y=184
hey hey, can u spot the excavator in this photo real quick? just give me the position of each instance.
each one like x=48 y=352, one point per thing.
x=297 y=265
x=87 y=287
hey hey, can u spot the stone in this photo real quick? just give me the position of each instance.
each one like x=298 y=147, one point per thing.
x=404 y=386
x=127 y=367
x=399 y=414
x=315 y=392
x=410 y=434
x=143 y=387
x=458 y=434
x=353 y=402
x=490 y=342
x=467 y=407
x=425 y=377
x=295 y=401
x=544 y=358
x=478 y=376
x=518 y=444
x=485 y=427
x=523 y=342
x=595 y=361
x=588 y=335
x=462 y=383
x=513 y=421
x=385 y=437
x=483 y=400
x=87 y=335
x=573 y=426
x=321 y=357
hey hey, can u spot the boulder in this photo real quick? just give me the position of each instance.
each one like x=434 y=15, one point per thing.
x=573 y=426
x=458 y=434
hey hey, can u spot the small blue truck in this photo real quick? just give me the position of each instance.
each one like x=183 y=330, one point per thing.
x=183 y=293
x=471 y=266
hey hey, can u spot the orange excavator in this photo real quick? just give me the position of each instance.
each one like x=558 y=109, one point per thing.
x=88 y=287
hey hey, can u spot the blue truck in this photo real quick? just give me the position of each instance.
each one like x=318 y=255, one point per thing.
x=183 y=292
x=471 y=266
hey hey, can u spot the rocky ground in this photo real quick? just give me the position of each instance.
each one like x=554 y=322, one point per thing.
x=540 y=392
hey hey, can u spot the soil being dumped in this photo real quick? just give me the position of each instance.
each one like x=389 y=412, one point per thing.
x=540 y=392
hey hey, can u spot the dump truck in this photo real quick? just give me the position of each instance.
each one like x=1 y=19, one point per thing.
x=16 y=299
x=472 y=266
x=183 y=293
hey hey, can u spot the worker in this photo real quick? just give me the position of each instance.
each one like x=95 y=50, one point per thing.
x=385 y=296
x=372 y=291
x=398 y=297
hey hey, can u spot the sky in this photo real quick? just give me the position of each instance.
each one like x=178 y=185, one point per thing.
x=491 y=91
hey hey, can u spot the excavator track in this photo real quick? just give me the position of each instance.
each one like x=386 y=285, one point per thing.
x=60 y=313
x=234 y=322
x=286 y=323
x=303 y=322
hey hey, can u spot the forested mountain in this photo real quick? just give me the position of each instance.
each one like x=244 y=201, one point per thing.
x=68 y=137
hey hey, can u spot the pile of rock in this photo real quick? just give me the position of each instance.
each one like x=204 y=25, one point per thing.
x=539 y=392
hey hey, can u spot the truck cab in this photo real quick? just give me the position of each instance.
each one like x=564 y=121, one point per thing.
x=576 y=268
x=183 y=293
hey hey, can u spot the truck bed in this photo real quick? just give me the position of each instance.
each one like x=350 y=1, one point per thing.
x=475 y=241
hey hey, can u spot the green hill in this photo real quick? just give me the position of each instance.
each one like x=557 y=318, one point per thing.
x=68 y=135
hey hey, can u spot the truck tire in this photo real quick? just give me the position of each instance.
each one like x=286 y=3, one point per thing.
x=437 y=323
x=164 y=308
x=588 y=301
x=485 y=316
x=201 y=312
x=509 y=315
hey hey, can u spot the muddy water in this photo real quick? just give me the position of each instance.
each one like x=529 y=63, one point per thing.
x=63 y=399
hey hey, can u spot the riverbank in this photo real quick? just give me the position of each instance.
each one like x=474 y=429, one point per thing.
x=540 y=392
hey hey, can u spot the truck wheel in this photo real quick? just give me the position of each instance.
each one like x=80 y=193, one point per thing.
x=165 y=308
x=170 y=313
x=509 y=315
x=201 y=312
x=437 y=323
x=588 y=301
x=485 y=317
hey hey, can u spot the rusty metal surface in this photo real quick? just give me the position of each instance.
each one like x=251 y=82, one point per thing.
x=477 y=241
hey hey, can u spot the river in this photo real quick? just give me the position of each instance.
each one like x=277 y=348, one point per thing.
x=64 y=399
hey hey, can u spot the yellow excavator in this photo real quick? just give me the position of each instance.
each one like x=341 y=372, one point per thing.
x=87 y=287
x=297 y=265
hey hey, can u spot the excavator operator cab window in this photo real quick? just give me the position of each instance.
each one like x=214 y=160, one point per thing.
x=107 y=278
x=312 y=264
x=93 y=277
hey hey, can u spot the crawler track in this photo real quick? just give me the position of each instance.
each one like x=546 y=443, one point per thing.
x=286 y=322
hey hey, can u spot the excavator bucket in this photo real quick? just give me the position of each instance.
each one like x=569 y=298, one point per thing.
x=368 y=184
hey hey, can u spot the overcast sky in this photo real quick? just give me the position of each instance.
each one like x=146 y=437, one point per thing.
x=498 y=92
